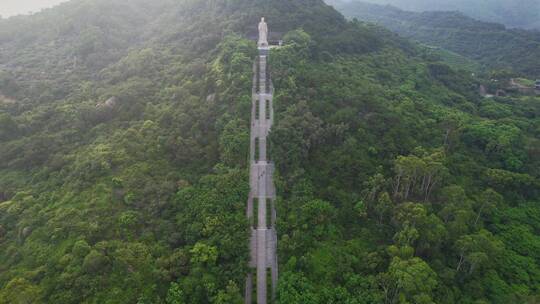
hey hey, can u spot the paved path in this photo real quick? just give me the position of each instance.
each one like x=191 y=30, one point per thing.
x=263 y=243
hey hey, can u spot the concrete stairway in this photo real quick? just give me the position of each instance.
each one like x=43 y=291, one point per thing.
x=261 y=202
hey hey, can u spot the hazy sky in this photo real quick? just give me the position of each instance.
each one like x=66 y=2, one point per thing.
x=15 y=7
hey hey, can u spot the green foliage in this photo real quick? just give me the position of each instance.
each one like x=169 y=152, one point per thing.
x=81 y=249
x=123 y=173
x=418 y=174
x=203 y=254
x=175 y=295
x=391 y=168
x=294 y=288
x=107 y=167
x=300 y=130
x=413 y=281
x=8 y=127
x=234 y=143
x=299 y=38
x=20 y=291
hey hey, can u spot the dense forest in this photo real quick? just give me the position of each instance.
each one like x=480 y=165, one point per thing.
x=124 y=134
x=513 y=13
x=492 y=45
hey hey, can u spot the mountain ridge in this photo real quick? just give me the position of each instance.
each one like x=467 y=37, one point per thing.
x=491 y=44
x=515 y=14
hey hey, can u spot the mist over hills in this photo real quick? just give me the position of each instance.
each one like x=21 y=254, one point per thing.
x=513 y=13
x=492 y=45
x=124 y=138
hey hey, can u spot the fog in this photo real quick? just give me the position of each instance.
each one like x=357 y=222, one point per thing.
x=10 y=8
x=513 y=13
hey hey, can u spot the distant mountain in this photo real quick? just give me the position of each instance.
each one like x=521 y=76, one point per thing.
x=491 y=44
x=512 y=13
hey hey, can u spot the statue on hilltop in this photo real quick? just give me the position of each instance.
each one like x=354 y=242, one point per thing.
x=263 y=33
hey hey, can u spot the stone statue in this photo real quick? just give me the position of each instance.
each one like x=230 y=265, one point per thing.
x=263 y=33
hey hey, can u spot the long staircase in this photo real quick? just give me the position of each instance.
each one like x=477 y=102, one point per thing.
x=261 y=202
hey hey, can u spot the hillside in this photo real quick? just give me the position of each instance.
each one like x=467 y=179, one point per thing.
x=124 y=135
x=492 y=45
x=515 y=13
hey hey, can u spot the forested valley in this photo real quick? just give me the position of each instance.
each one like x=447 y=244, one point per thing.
x=124 y=137
x=486 y=46
x=523 y=14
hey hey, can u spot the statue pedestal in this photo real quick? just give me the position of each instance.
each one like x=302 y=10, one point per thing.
x=263 y=50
